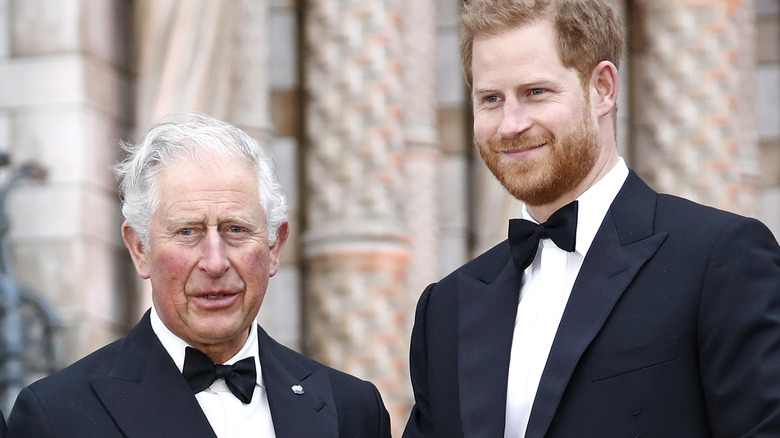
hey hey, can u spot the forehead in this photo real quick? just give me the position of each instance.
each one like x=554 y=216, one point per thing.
x=225 y=183
x=525 y=48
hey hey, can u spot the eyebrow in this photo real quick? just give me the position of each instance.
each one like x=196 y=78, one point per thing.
x=183 y=221
x=484 y=90
x=532 y=83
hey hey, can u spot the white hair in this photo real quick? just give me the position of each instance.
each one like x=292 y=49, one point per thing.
x=199 y=138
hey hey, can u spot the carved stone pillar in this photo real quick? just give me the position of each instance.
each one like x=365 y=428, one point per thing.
x=423 y=155
x=66 y=96
x=694 y=129
x=354 y=244
x=248 y=80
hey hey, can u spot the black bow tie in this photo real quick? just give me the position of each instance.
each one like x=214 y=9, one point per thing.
x=524 y=235
x=200 y=372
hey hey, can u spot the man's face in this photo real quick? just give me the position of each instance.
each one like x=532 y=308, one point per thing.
x=532 y=120
x=209 y=258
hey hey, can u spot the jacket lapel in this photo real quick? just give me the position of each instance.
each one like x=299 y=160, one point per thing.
x=145 y=392
x=310 y=410
x=488 y=302
x=624 y=243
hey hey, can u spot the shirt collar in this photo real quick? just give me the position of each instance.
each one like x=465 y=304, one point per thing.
x=593 y=205
x=175 y=346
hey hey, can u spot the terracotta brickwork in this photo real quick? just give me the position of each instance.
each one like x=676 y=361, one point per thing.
x=355 y=318
x=355 y=242
x=694 y=133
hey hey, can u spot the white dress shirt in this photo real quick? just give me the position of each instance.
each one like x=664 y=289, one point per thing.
x=229 y=417
x=547 y=284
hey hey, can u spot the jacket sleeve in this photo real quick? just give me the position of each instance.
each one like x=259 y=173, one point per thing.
x=383 y=423
x=27 y=418
x=361 y=411
x=420 y=423
x=739 y=332
x=3 y=428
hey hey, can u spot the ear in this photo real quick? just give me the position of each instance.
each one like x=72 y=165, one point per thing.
x=136 y=249
x=276 y=250
x=604 y=86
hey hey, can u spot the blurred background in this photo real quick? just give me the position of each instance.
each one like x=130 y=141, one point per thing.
x=364 y=107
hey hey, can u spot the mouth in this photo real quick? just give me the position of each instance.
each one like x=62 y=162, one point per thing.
x=215 y=300
x=523 y=150
x=213 y=296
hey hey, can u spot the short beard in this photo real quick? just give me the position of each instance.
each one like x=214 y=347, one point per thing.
x=542 y=181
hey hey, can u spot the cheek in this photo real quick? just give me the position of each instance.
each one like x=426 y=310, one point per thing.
x=484 y=127
x=171 y=266
x=253 y=267
x=565 y=120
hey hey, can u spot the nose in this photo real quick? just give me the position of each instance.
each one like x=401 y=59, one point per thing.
x=514 y=119
x=215 y=260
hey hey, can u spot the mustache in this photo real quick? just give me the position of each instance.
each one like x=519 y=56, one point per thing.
x=522 y=142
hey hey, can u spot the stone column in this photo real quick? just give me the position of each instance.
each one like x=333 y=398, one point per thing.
x=423 y=153
x=355 y=245
x=694 y=129
x=248 y=79
x=752 y=185
x=66 y=97
x=422 y=160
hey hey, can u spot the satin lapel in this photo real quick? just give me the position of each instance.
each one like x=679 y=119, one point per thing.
x=487 y=309
x=145 y=392
x=624 y=243
x=312 y=413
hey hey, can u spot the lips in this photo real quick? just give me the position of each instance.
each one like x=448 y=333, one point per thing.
x=213 y=296
x=215 y=300
x=523 y=149
x=214 y=293
x=519 y=144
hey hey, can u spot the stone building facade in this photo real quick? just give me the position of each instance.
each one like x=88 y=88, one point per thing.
x=363 y=105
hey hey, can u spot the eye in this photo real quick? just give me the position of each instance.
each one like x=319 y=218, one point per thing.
x=186 y=231
x=491 y=99
x=537 y=91
x=235 y=229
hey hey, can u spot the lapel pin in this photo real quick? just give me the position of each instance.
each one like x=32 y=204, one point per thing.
x=297 y=389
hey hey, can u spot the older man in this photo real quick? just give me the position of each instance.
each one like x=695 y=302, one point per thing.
x=611 y=310
x=206 y=224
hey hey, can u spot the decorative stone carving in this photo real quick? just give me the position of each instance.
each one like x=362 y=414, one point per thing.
x=355 y=243
x=698 y=144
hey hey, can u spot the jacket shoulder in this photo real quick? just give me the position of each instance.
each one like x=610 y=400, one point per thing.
x=78 y=373
x=100 y=362
x=485 y=266
x=287 y=355
x=682 y=215
x=361 y=410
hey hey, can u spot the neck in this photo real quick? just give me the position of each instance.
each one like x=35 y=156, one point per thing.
x=222 y=352
x=542 y=212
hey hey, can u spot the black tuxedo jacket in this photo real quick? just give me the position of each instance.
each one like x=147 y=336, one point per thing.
x=2 y=425
x=672 y=329
x=132 y=388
